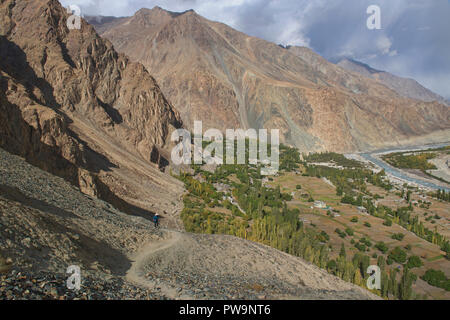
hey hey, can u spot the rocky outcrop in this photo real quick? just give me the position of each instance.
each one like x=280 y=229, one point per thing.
x=73 y=106
x=213 y=73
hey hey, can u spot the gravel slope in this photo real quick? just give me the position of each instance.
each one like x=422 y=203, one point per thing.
x=221 y=267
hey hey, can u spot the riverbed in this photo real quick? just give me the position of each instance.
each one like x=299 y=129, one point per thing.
x=375 y=158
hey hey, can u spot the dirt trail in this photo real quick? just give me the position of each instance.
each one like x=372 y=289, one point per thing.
x=193 y=266
x=136 y=274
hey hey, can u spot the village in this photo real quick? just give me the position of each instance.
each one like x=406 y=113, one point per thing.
x=363 y=213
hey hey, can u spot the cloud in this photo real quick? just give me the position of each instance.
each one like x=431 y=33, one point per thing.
x=414 y=40
x=384 y=44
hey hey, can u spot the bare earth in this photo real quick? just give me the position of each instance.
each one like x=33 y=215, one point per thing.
x=215 y=264
x=443 y=170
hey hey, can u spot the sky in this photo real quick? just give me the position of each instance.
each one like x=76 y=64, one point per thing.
x=414 y=39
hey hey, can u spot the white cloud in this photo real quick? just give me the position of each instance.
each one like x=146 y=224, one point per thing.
x=384 y=45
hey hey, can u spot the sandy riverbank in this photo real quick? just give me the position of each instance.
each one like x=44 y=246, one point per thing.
x=411 y=177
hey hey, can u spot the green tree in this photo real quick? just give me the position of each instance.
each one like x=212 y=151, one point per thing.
x=392 y=286
x=381 y=246
x=414 y=262
x=405 y=285
x=381 y=262
x=332 y=267
x=437 y=278
x=342 y=253
x=384 y=284
x=398 y=255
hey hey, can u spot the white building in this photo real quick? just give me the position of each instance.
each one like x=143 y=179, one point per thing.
x=320 y=204
x=362 y=209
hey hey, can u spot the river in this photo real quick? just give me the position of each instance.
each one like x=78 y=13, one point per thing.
x=372 y=157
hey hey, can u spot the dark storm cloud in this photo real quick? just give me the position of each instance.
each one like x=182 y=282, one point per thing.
x=414 y=40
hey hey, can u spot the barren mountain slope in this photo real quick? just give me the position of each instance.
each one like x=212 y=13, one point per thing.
x=73 y=106
x=46 y=225
x=213 y=73
x=405 y=87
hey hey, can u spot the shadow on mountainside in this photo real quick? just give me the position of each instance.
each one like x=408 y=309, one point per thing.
x=14 y=62
x=17 y=136
x=14 y=194
x=88 y=251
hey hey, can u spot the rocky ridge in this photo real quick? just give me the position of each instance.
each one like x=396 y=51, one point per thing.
x=72 y=105
x=227 y=79
x=409 y=88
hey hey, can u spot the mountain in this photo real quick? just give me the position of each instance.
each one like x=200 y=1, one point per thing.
x=227 y=79
x=405 y=87
x=73 y=106
x=83 y=135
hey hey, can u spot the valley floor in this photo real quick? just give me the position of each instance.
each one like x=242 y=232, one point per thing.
x=334 y=212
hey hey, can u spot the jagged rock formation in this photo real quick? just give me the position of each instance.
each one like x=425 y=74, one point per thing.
x=213 y=73
x=405 y=87
x=70 y=104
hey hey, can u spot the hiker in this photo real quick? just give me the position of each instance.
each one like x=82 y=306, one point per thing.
x=156 y=220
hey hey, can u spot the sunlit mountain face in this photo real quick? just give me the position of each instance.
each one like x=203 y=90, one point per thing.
x=412 y=41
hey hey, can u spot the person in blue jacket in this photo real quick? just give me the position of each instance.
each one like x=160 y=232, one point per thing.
x=156 y=220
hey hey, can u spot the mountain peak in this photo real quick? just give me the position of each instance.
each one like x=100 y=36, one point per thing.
x=227 y=79
x=158 y=15
x=173 y=14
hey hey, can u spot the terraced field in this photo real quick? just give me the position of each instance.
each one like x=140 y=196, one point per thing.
x=319 y=189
